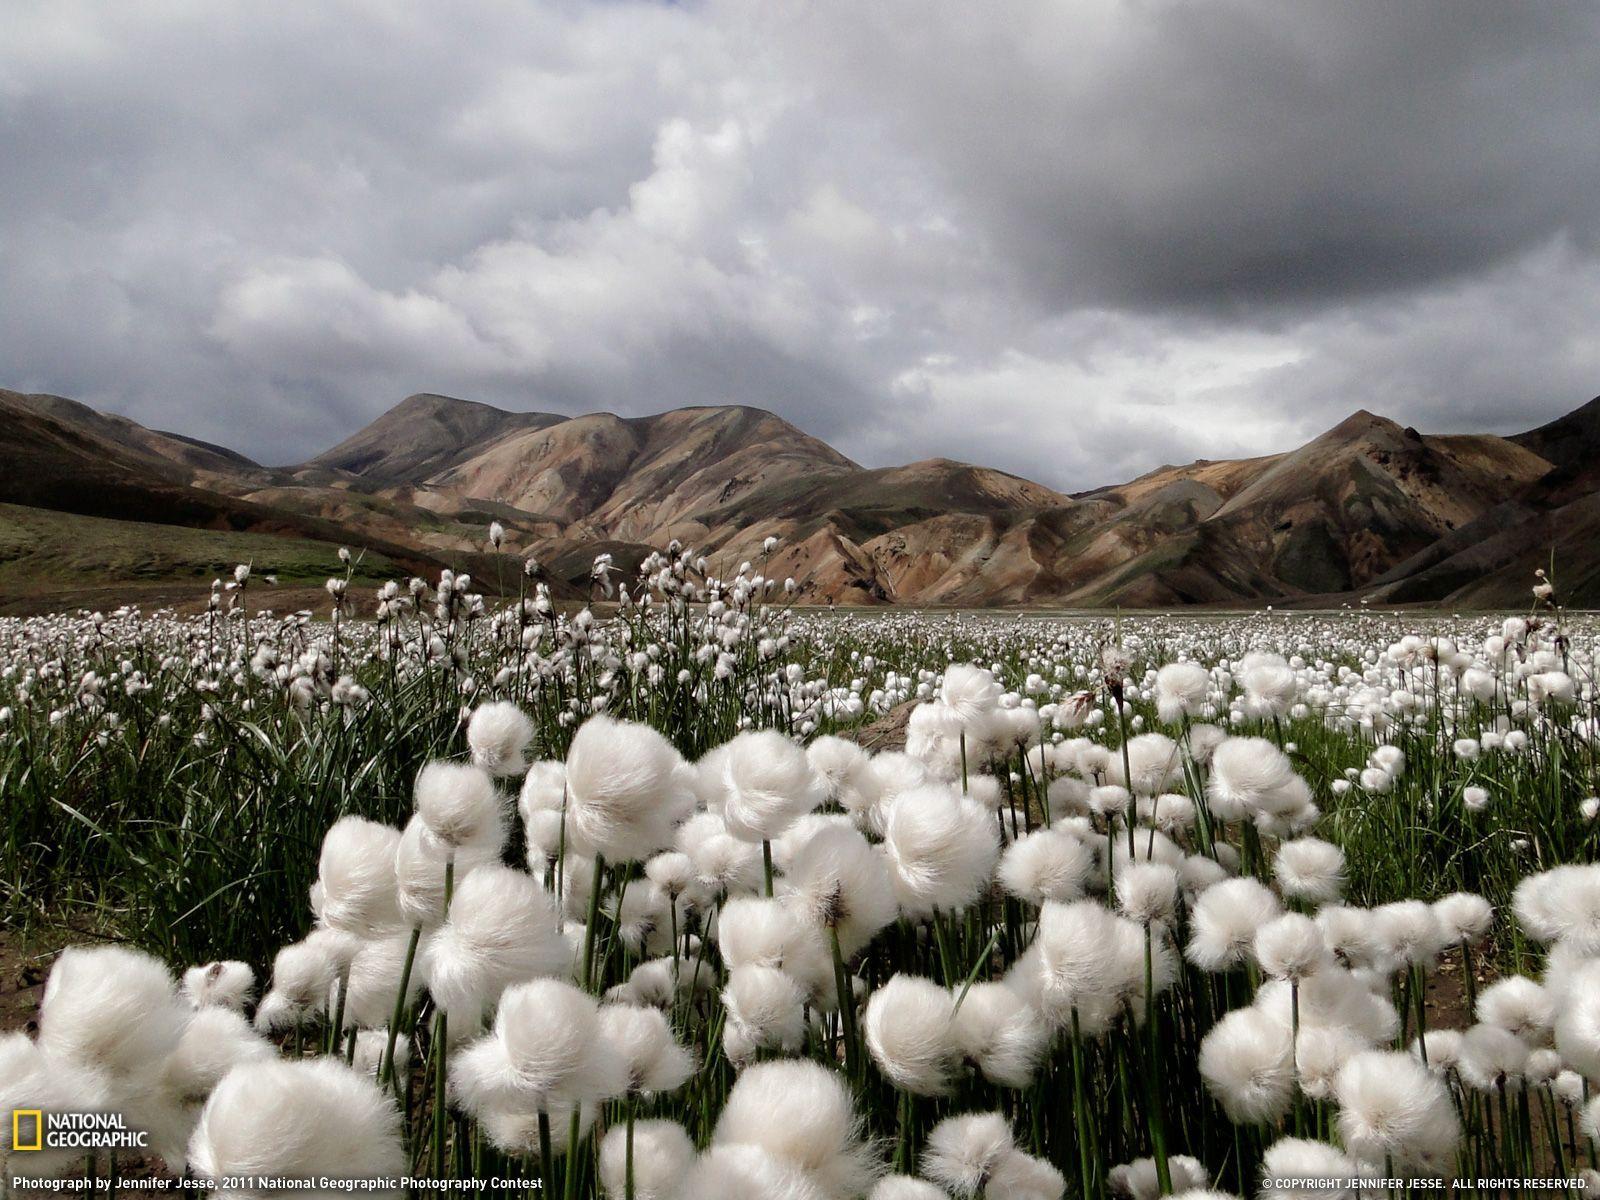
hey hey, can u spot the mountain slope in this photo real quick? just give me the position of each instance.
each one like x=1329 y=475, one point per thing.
x=1368 y=508
x=423 y=435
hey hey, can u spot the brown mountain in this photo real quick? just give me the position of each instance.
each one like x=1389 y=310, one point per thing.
x=1367 y=509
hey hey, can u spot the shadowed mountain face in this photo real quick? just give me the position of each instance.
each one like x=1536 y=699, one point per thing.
x=1368 y=508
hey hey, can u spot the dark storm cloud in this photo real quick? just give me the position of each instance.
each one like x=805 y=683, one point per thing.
x=1074 y=241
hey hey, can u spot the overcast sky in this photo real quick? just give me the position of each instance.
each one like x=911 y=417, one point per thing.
x=1074 y=240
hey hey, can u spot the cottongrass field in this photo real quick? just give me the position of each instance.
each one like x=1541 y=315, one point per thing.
x=652 y=900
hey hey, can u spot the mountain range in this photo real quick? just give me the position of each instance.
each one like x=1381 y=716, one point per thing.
x=1369 y=511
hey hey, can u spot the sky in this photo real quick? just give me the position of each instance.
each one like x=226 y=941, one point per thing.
x=1071 y=240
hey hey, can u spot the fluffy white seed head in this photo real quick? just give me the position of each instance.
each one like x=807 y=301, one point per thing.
x=112 y=1010
x=625 y=792
x=765 y=1008
x=1000 y=1033
x=1224 y=923
x=1310 y=869
x=748 y=1172
x=1289 y=1162
x=1291 y=947
x=1247 y=1063
x=801 y=1113
x=942 y=849
x=1251 y=776
x=1393 y=1109
x=653 y=1059
x=908 y=1026
x=768 y=784
x=502 y=929
x=219 y=984
x=421 y=861
x=298 y=1120
x=662 y=1156
x=1465 y=917
x=498 y=734
x=458 y=804
x=1047 y=864
x=1181 y=690
x=359 y=891
x=841 y=882
x=1577 y=1025
x=963 y=1152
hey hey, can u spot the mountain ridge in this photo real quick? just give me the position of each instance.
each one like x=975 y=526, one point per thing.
x=1367 y=509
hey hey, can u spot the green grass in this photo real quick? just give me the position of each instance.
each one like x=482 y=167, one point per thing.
x=41 y=548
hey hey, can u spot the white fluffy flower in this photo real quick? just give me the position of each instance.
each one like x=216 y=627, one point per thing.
x=801 y=1113
x=909 y=1030
x=942 y=849
x=1393 y=1109
x=768 y=784
x=625 y=792
x=498 y=734
x=298 y=1120
x=1047 y=864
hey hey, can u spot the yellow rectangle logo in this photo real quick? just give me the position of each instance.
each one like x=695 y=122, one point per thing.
x=17 y=1117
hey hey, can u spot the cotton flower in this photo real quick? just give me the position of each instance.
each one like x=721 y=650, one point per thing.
x=840 y=882
x=748 y=1172
x=1250 y=776
x=1561 y=905
x=1464 y=917
x=311 y=1120
x=908 y=1026
x=1289 y=1162
x=1020 y=1176
x=109 y=1009
x=971 y=693
x=498 y=734
x=662 y=1157
x=1577 y=1024
x=625 y=793
x=941 y=848
x=1225 y=921
x=652 y=1057
x=458 y=804
x=768 y=784
x=846 y=770
x=801 y=1113
x=356 y=870
x=1147 y=893
x=215 y=1041
x=905 y=1187
x=765 y=1010
x=1138 y=1179
x=1047 y=864
x=1350 y=932
x=1491 y=1057
x=31 y=1078
x=1409 y=931
x=1291 y=947
x=1181 y=689
x=1269 y=684
x=542 y=804
x=963 y=1152
x=220 y=984
x=754 y=931
x=1520 y=1006
x=421 y=862
x=1247 y=1063
x=1000 y=1033
x=502 y=929
x=373 y=979
x=546 y=1048
x=1311 y=870
x=1393 y=1109
x=1153 y=764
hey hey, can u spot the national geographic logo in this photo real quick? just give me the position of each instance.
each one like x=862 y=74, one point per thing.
x=35 y=1129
